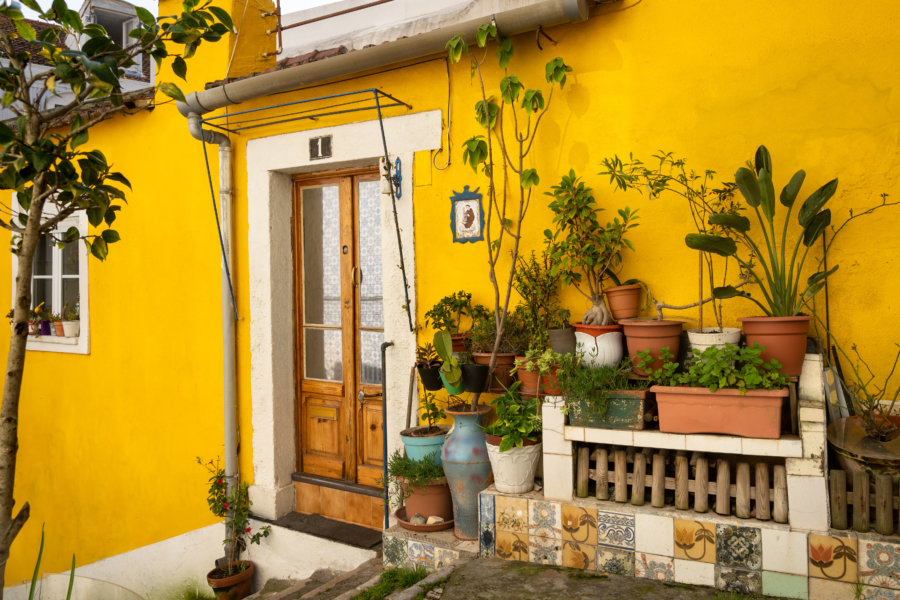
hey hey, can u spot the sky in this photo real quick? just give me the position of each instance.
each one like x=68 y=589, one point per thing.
x=152 y=5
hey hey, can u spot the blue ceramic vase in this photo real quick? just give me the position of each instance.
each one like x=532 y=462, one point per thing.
x=467 y=468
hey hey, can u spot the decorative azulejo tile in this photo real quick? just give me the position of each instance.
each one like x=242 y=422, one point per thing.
x=878 y=593
x=650 y=566
x=394 y=550
x=879 y=564
x=612 y=560
x=738 y=580
x=579 y=556
x=420 y=554
x=545 y=519
x=579 y=524
x=512 y=546
x=486 y=508
x=695 y=540
x=511 y=514
x=444 y=557
x=544 y=551
x=739 y=547
x=615 y=530
x=832 y=557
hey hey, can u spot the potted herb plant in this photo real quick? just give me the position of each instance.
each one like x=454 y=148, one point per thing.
x=233 y=579
x=448 y=314
x=726 y=390
x=428 y=364
x=513 y=441
x=773 y=265
x=419 y=490
x=602 y=396
x=537 y=372
x=71 y=320
x=426 y=440
x=56 y=324
x=512 y=342
x=672 y=175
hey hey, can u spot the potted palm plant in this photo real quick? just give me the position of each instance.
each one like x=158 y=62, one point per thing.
x=726 y=390
x=513 y=441
x=233 y=578
x=776 y=264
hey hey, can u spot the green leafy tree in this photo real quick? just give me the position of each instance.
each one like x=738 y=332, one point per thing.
x=44 y=160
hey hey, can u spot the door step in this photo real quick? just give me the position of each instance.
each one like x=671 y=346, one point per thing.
x=323 y=584
x=330 y=529
x=349 y=506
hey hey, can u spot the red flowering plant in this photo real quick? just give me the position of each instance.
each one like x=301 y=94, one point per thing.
x=235 y=508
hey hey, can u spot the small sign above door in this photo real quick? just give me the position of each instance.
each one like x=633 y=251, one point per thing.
x=320 y=147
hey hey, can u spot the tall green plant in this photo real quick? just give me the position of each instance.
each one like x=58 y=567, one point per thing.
x=536 y=282
x=509 y=119
x=583 y=251
x=777 y=268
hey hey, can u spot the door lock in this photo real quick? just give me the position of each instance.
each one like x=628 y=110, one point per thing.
x=361 y=396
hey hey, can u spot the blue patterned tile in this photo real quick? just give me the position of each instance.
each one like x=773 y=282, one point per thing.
x=615 y=530
x=545 y=519
x=739 y=547
x=611 y=560
x=738 y=580
x=444 y=557
x=650 y=566
x=421 y=554
x=486 y=509
x=544 y=551
x=879 y=564
x=487 y=529
x=394 y=550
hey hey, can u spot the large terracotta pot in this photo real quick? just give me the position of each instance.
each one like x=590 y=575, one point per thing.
x=502 y=366
x=236 y=586
x=514 y=469
x=419 y=443
x=599 y=345
x=784 y=339
x=432 y=500
x=652 y=336
x=467 y=468
x=624 y=301
x=756 y=414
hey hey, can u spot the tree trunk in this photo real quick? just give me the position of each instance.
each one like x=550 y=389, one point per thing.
x=597 y=314
x=15 y=369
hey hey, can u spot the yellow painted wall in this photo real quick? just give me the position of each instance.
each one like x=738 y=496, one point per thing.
x=107 y=460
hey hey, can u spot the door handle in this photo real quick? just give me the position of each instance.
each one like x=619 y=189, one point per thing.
x=361 y=396
x=353 y=273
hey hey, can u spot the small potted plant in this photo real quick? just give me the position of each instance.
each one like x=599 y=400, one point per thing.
x=428 y=364
x=426 y=440
x=233 y=579
x=513 y=441
x=512 y=342
x=56 y=324
x=419 y=491
x=536 y=372
x=70 y=320
x=448 y=314
x=602 y=396
x=450 y=371
x=726 y=390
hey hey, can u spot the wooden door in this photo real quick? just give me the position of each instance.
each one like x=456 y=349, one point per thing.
x=340 y=327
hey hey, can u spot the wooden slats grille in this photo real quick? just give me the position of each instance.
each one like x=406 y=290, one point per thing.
x=863 y=502
x=740 y=486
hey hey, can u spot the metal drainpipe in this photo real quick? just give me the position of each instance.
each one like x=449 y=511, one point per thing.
x=384 y=347
x=228 y=370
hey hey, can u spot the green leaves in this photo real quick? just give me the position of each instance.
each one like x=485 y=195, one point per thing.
x=179 y=67
x=555 y=71
x=510 y=87
x=455 y=47
x=816 y=201
x=748 y=185
x=738 y=223
x=790 y=191
x=533 y=101
x=171 y=90
x=475 y=151
x=716 y=244
x=25 y=30
x=504 y=52
x=486 y=112
x=484 y=32
x=529 y=178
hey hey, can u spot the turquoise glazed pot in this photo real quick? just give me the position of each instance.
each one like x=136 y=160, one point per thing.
x=467 y=468
x=418 y=447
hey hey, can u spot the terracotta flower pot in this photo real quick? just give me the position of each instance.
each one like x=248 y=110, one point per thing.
x=531 y=380
x=599 y=345
x=432 y=500
x=550 y=383
x=624 y=301
x=756 y=414
x=652 y=336
x=501 y=378
x=460 y=342
x=58 y=329
x=232 y=587
x=784 y=339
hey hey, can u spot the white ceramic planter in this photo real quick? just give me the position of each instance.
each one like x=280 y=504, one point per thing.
x=71 y=328
x=605 y=349
x=711 y=337
x=514 y=469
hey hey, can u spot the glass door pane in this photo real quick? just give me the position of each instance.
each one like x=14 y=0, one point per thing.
x=320 y=214
x=371 y=317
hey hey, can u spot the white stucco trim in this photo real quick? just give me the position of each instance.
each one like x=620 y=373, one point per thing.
x=271 y=162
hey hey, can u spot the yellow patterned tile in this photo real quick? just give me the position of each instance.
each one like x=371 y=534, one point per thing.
x=511 y=514
x=579 y=556
x=512 y=546
x=579 y=525
x=832 y=557
x=695 y=540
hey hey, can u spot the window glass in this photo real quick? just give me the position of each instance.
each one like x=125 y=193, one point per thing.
x=70 y=258
x=43 y=257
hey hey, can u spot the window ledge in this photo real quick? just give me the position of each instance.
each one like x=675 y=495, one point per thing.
x=48 y=343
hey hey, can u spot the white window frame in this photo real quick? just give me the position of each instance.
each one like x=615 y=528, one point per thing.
x=82 y=343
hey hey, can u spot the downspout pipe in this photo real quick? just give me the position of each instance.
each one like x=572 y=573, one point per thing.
x=228 y=315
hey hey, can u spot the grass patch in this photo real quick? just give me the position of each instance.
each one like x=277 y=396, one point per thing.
x=192 y=593
x=427 y=588
x=391 y=581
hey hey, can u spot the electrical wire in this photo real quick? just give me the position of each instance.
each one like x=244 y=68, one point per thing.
x=433 y=158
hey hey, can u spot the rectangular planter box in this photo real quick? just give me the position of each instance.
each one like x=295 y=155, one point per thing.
x=625 y=410
x=697 y=410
